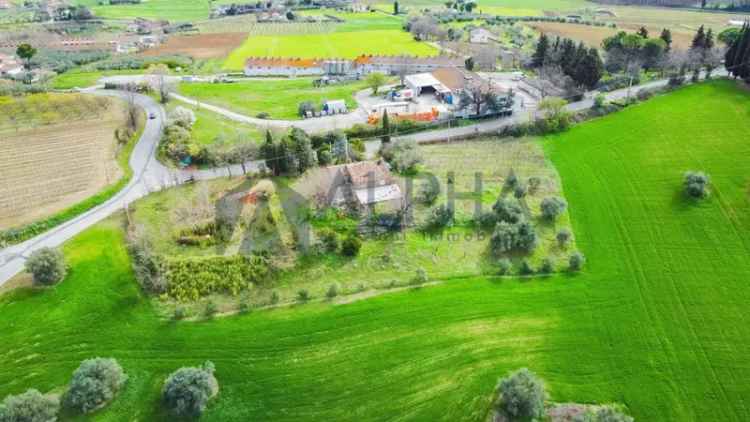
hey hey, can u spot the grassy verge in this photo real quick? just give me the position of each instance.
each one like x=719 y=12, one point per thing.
x=23 y=233
x=280 y=98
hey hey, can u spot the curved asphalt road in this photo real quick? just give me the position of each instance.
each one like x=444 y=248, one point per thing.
x=148 y=175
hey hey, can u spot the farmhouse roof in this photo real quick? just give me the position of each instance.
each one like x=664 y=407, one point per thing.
x=377 y=194
x=456 y=79
x=362 y=173
x=282 y=62
x=394 y=60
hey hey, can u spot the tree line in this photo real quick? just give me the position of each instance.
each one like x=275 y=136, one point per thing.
x=582 y=65
x=737 y=57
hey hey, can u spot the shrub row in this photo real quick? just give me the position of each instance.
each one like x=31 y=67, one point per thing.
x=193 y=278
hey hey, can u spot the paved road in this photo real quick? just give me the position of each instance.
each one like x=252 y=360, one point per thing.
x=149 y=175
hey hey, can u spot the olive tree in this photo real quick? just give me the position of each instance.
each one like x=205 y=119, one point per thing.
x=552 y=207
x=563 y=237
x=696 y=184
x=95 y=383
x=521 y=395
x=576 y=261
x=31 y=406
x=187 y=390
x=47 y=266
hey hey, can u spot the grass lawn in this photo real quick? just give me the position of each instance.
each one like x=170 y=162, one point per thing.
x=279 y=98
x=365 y=21
x=172 y=10
x=656 y=321
x=210 y=126
x=78 y=79
x=336 y=44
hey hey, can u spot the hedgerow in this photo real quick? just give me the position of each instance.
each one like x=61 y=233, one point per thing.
x=193 y=278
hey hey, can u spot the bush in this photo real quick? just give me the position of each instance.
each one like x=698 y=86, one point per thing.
x=440 y=216
x=534 y=184
x=508 y=210
x=47 y=266
x=525 y=268
x=520 y=191
x=305 y=107
x=351 y=246
x=179 y=313
x=403 y=156
x=504 y=266
x=182 y=117
x=31 y=406
x=190 y=278
x=548 y=266
x=696 y=184
x=509 y=237
x=428 y=192
x=511 y=181
x=329 y=239
x=599 y=100
x=303 y=295
x=95 y=383
x=576 y=261
x=486 y=221
x=333 y=291
x=608 y=414
x=521 y=395
x=420 y=277
x=552 y=207
x=275 y=297
x=210 y=310
x=563 y=237
x=187 y=391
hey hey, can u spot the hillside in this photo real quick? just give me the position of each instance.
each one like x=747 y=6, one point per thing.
x=656 y=321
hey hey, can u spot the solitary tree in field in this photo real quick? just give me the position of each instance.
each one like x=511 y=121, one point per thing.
x=47 y=266
x=521 y=395
x=26 y=52
x=375 y=80
x=395 y=8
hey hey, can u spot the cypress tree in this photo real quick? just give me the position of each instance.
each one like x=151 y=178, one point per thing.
x=666 y=36
x=699 y=40
x=268 y=153
x=386 y=127
x=541 y=54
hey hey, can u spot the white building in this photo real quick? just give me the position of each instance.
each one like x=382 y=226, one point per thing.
x=481 y=36
x=272 y=66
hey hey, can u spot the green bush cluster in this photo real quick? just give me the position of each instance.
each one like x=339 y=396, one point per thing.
x=95 y=383
x=193 y=278
x=31 y=406
x=47 y=266
x=187 y=391
x=522 y=396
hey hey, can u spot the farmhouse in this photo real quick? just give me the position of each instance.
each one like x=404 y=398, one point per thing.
x=272 y=66
x=481 y=36
x=9 y=66
x=359 y=186
x=446 y=83
x=362 y=65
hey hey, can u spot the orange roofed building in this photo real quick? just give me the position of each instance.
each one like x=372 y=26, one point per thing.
x=360 y=66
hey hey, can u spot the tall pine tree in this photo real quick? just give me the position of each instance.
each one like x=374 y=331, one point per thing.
x=699 y=40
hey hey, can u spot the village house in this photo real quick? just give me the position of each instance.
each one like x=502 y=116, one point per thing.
x=273 y=66
x=445 y=83
x=481 y=36
x=357 y=186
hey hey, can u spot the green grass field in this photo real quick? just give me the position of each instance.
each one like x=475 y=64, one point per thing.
x=279 y=98
x=656 y=322
x=336 y=44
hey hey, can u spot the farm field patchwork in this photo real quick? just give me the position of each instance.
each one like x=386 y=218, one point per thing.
x=656 y=321
x=279 y=98
x=200 y=46
x=334 y=45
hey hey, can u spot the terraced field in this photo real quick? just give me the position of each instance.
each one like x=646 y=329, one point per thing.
x=657 y=321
